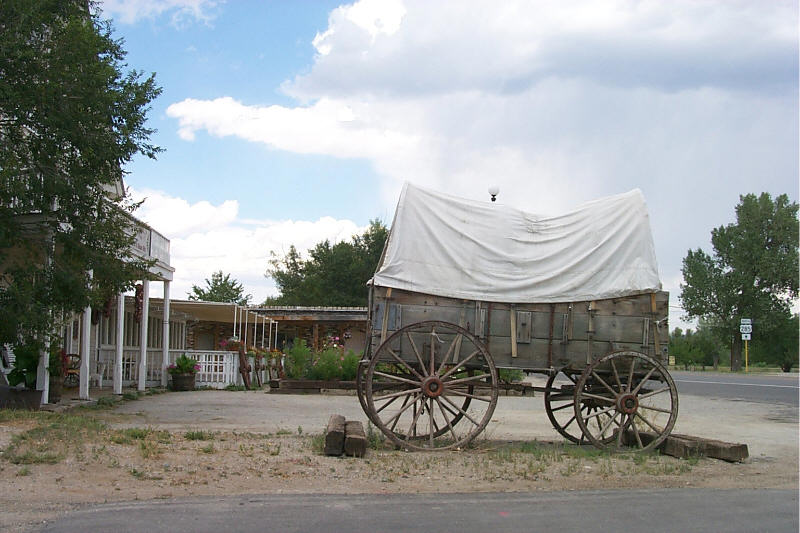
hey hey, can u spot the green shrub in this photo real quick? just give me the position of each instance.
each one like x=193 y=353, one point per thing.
x=327 y=365
x=350 y=365
x=298 y=360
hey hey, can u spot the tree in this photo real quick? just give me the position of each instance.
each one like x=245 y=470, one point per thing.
x=221 y=288
x=694 y=347
x=334 y=274
x=753 y=272
x=780 y=347
x=70 y=118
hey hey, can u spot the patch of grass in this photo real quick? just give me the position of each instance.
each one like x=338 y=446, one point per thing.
x=300 y=430
x=130 y=395
x=149 y=449
x=54 y=436
x=283 y=432
x=208 y=448
x=375 y=439
x=24 y=471
x=318 y=443
x=198 y=434
x=235 y=388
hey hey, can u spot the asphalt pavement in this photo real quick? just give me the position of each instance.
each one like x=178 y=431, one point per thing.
x=773 y=389
x=654 y=511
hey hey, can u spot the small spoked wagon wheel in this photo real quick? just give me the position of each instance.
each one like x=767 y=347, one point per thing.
x=634 y=401
x=431 y=385
x=559 y=402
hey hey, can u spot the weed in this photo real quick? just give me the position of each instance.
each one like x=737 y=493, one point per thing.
x=130 y=395
x=149 y=449
x=375 y=439
x=283 y=432
x=208 y=448
x=24 y=471
x=318 y=444
x=54 y=436
x=235 y=388
x=198 y=435
x=245 y=451
x=300 y=430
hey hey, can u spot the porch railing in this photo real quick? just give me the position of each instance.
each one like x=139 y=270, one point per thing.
x=218 y=369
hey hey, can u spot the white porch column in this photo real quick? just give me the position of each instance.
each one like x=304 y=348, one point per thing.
x=143 y=338
x=86 y=327
x=120 y=343
x=165 y=340
x=43 y=371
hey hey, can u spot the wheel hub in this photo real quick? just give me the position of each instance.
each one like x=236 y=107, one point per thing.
x=628 y=403
x=432 y=387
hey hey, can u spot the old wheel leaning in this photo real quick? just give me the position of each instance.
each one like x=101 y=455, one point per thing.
x=634 y=401
x=425 y=379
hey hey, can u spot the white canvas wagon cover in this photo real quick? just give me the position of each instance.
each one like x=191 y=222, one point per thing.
x=458 y=248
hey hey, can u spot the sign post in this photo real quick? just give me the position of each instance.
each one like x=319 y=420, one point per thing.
x=746 y=329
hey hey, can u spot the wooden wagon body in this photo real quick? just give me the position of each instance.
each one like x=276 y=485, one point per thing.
x=440 y=330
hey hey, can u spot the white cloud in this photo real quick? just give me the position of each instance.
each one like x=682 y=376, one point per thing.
x=556 y=102
x=181 y=11
x=205 y=238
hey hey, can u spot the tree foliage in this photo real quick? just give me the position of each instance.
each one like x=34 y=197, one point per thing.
x=220 y=288
x=70 y=118
x=752 y=273
x=698 y=347
x=333 y=274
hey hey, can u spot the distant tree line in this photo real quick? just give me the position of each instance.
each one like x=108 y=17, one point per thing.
x=332 y=275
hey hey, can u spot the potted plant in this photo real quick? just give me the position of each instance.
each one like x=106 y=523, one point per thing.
x=23 y=394
x=183 y=372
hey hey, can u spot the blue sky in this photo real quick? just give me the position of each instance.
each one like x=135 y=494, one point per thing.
x=292 y=122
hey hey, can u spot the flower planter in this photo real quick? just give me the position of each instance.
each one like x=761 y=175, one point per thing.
x=13 y=398
x=182 y=382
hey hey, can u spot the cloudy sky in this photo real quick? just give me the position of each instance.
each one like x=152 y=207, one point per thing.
x=292 y=122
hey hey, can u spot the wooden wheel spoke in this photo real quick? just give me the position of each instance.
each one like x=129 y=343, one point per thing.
x=598 y=397
x=466 y=395
x=416 y=352
x=397 y=394
x=630 y=375
x=431 y=421
x=449 y=352
x=466 y=380
x=646 y=421
x=460 y=410
x=608 y=424
x=598 y=413
x=398 y=378
x=390 y=402
x=570 y=421
x=616 y=374
x=636 y=432
x=459 y=364
x=560 y=407
x=602 y=382
x=653 y=408
x=644 y=380
x=433 y=349
x=619 y=433
x=653 y=393
x=449 y=425
x=413 y=427
x=396 y=418
x=409 y=367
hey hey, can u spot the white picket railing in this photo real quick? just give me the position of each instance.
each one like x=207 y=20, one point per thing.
x=218 y=369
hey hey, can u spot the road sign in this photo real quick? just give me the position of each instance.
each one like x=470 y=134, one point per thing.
x=745 y=336
x=746 y=321
x=745 y=328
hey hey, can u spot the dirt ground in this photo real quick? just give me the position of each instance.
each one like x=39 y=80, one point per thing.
x=176 y=445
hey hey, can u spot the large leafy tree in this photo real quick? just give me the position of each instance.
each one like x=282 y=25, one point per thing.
x=70 y=118
x=752 y=272
x=333 y=275
x=220 y=288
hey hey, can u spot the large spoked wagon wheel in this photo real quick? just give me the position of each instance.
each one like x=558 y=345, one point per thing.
x=425 y=379
x=635 y=401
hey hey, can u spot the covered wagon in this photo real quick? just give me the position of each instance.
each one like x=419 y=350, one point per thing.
x=466 y=288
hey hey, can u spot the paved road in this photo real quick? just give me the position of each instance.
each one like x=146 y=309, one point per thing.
x=654 y=511
x=751 y=387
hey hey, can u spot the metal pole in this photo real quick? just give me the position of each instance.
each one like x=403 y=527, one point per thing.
x=746 y=369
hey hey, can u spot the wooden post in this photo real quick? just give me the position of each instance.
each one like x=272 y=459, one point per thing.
x=334 y=436
x=385 y=323
x=513 y=316
x=656 y=336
